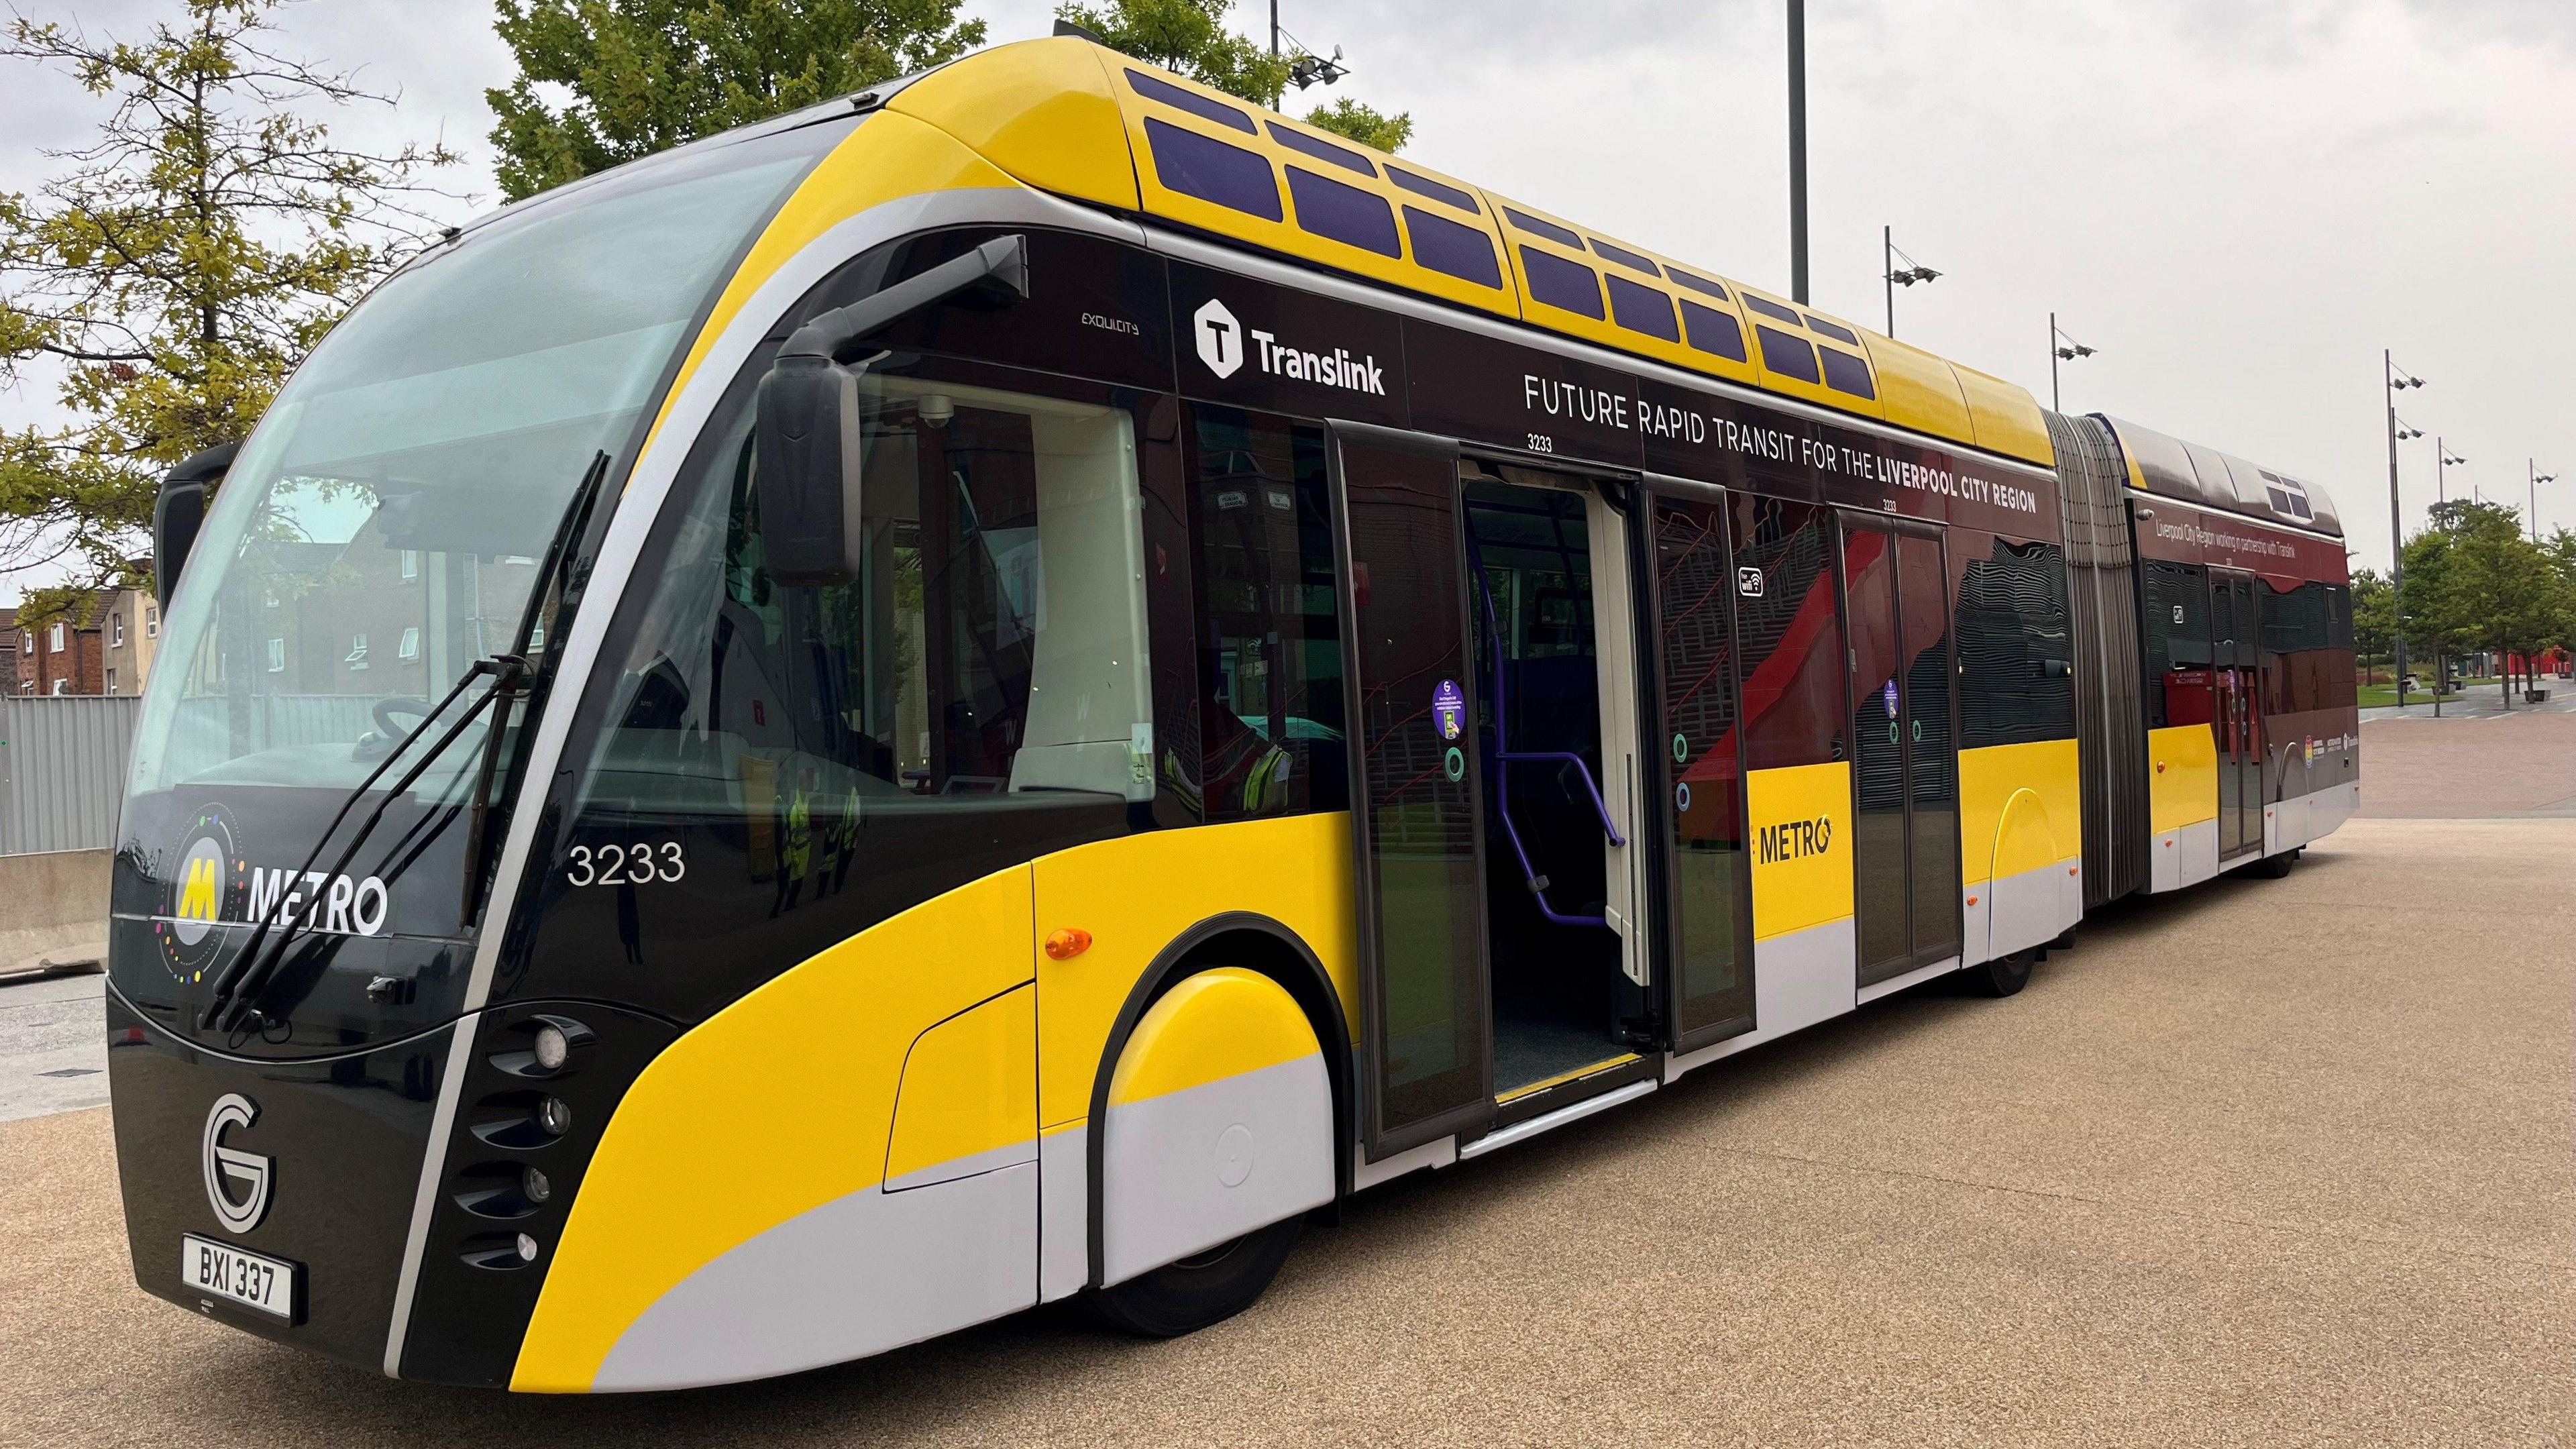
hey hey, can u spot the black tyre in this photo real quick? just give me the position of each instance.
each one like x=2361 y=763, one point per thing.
x=2002 y=976
x=2270 y=867
x=1206 y=1288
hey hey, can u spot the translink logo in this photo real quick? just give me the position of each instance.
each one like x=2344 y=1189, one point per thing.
x=1221 y=339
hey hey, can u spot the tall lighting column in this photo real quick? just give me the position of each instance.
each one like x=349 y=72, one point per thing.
x=1798 y=152
x=2390 y=383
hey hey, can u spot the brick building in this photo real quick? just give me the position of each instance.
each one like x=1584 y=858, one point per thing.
x=130 y=620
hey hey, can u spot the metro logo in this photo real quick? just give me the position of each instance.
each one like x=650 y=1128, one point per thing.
x=197 y=895
x=1794 y=839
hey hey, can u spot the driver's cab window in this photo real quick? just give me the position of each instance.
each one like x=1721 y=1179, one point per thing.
x=988 y=660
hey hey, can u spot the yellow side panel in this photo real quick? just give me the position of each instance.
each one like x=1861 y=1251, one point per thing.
x=1285 y=235
x=970 y=1084
x=2047 y=828
x=1802 y=872
x=2182 y=776
x=888 y=156
x=2006 y=418
x=1215 y=1025
x=779 y=1103
x=1040 y=110
x=1918 y=390
x=1137 y=893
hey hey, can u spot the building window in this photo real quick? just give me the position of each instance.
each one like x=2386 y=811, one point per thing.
x=152 y=621
x=411 y=563
x=111 y=681
x=276 y=656
x=61 y=686
x=115 y=633
x=357 y=656
x=410 y=647
x=54 y=641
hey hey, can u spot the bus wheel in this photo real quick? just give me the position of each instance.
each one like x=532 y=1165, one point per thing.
x=2272 y=867
x=2002 y=976
x=1201 y=1289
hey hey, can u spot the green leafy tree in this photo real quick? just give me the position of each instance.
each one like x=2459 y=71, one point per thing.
x=646 y=75
x=2374 y=615
x=2475 y=582
x=1347 y=117
x=1190 y=37
x=176 y=268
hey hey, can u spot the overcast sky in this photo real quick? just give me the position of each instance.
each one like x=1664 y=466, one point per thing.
x=2238 y=202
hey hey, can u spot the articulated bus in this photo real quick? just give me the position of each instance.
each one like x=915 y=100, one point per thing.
x=998 y=691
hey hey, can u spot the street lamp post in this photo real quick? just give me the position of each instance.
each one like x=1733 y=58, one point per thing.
x=1904 y=276
x=2061 y=347
x=2537 y=478
x=2443 y=458
x=1798 y=151
x=2390 y=383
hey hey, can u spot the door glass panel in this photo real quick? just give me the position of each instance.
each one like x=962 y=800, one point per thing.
x=2231 y=712
x=2250 y=747
x=1878 y=751
x=1932 y=765
x=1413 y=716
x=1705 y=922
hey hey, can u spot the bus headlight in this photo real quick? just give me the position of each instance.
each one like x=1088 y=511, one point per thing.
x=552 y=1048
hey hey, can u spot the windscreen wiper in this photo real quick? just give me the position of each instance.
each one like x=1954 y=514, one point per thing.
x=237 y=990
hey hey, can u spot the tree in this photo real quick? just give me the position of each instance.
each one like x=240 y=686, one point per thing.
x=2374 y=615
x=2474 y=581
x=176 y=269
x=646 y=75
x=1190 y=37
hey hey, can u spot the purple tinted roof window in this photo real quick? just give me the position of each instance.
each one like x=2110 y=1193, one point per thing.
x=1230 y=176
x=1459 y=251
x=1560 y=283
x=1329 y=208
x=1198 y=105
x=1437 y=190
x=1641 y=308
x=1787 y=354
x=1342 y=156
x=1713 y=332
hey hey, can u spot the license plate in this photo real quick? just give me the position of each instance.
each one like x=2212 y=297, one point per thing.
x=229 y=1273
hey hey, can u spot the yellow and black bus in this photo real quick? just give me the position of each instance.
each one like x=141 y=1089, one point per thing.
x=996 y=691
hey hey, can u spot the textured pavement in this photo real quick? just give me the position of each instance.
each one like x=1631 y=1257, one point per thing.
x=2274 y=1162
x=53 y=1044
x=2457 y=767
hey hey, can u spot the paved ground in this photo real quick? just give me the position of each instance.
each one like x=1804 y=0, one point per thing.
x=2275 y=1163
x=2480 y=702
x=53 y=1045
x=2496 y=764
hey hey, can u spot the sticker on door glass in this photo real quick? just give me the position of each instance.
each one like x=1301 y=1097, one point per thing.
x=1888 y=695
x=1748 y=581
x=1449 y=709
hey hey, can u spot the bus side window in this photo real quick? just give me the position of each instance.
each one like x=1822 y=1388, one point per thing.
x=2176 y=632
x=1269 y=638
x=2016 y=659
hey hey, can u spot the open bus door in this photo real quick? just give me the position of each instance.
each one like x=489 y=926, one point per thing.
x=1417 y=797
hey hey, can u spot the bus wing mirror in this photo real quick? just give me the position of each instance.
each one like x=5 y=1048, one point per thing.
x=180 y=509
x=806 y=462
x=805 y=472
